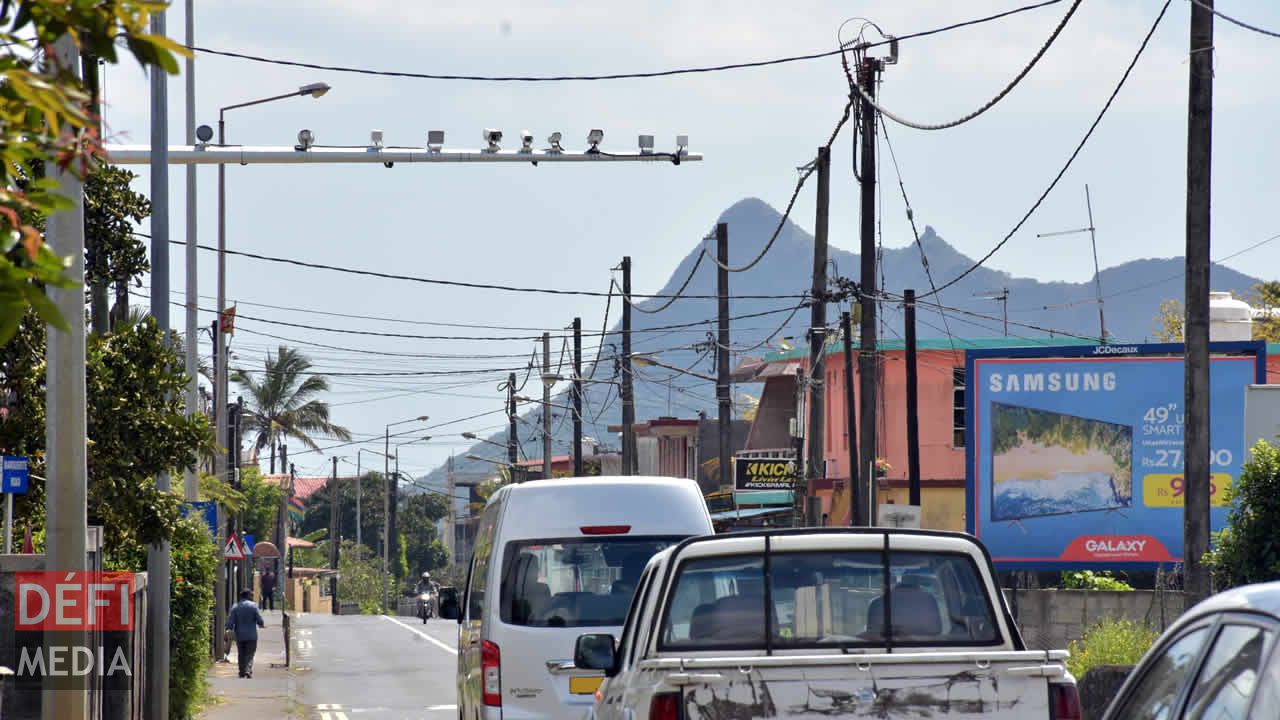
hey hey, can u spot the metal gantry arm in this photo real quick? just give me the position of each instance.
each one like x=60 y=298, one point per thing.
x=290 y=155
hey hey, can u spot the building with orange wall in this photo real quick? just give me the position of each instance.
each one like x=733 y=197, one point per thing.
x=942 y=422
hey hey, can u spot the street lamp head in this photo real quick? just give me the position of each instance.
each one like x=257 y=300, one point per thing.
x=550 y=379
x=469 y=435
x=423 y=418
x=315 y=90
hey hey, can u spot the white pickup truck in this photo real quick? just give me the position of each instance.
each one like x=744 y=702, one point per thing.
x=857 y=623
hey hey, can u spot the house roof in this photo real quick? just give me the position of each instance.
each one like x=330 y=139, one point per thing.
x=537 y=462
x=304 y=486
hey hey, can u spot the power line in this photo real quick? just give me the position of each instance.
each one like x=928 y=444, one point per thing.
x=610 y=76
x=1054 y=183
x=1234 y=21
x=986 y=106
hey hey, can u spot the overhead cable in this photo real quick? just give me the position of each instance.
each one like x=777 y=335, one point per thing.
x=611 y=76
x=986 y=106
x=1234 y=21
x=1054 y=183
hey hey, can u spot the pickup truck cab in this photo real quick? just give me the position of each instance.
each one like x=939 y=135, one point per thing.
x=874 y=623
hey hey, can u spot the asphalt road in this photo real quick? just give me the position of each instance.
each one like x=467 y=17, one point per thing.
x=364 y=667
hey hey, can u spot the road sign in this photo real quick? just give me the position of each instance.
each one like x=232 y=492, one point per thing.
x=246 y=545
x=14 y=476
x=232 y=550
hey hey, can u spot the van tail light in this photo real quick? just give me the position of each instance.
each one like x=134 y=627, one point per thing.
x=491 y=674
x=665 y=706
x=1064 y=702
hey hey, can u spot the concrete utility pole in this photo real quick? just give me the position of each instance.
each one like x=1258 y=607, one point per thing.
x=66 y=492
x=1196 y=438
x=513 y=439
x=627 y=391
x=546 y=406
x=577 y=397
x=725 y=415
x=158 y=589
x=856 y=518
x=814 y=464
x=913 y=400
x=1097 y=273
x=868 y=357
x=335 y=538
x=449 y=517
x=191 y=478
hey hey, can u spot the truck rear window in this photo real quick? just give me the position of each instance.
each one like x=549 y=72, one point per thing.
x=577 y=582
x=837 y=599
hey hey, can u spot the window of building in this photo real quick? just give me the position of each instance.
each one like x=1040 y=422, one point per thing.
x=957 y=407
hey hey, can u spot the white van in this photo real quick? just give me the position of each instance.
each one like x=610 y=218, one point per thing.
x=554 y=559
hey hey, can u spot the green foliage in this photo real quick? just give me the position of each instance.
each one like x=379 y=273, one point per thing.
x=1168 y=323
x=1090 y=580
x=1111 y=642
x=46 y=115
x=114 y=255
x=262 y=502
x=420 y=536
x=1266 y=296
x=1247 y=550
x=194 y=564
x=282 y=404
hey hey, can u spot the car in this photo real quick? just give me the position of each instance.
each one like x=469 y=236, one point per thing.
x=555 y=558
x=1218 y=660
x=847 y=622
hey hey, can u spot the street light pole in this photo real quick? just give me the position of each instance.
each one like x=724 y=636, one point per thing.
x=387 y=506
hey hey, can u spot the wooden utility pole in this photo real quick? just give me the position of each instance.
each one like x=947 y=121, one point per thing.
x=868 y=359
x=334 y=540
x=722 y=356
x=913 y=400
x=1196 y=329
x=814 y=463
x=856 y=517
x=627 y=391
x=577 y=397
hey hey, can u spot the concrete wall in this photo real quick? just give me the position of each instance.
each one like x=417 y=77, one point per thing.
x=1052 y=619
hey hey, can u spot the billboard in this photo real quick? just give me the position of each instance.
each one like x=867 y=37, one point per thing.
x=763 y=474
x=1074 y=454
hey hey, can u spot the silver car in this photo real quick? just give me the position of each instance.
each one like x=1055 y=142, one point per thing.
x=1218 y=660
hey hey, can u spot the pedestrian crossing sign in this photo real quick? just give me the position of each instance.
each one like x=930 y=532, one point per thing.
x=233 y=550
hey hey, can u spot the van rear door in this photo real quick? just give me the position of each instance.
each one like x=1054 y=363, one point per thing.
x=552 y=590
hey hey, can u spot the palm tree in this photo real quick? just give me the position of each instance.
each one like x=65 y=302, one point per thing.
x=282 y=404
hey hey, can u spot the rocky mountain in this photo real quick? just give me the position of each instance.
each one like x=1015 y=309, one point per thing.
x=678 y=335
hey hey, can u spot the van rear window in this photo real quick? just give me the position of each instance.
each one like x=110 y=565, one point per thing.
x=575 y=582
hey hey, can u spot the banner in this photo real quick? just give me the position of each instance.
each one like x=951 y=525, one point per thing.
x=1074 y=454
x=764 y=474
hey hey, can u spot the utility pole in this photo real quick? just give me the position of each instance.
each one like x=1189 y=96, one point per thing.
x=815 y=463
x=246 y=567
x=856 y=517
x=513 y=438
x=1196 y=328
x=1097 y=272
x=868 y=357
x=722 y=358
x=577 y=397
x=627 y=391
x=66 y=492
x=334 y=539
x=913 y=400
x=158 y=615
x=449 y=518
x=191 y=478
x=546 y=406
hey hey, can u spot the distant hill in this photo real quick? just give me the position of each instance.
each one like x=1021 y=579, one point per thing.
x=1132 y=295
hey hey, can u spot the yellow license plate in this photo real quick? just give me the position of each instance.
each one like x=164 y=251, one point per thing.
x=584 y=685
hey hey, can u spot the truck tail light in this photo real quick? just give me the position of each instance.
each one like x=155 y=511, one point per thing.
x=491 y=674
x=1064 y=702
x=665 y=706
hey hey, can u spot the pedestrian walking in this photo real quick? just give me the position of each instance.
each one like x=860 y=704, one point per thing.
x=244 y=620
x=269 y=589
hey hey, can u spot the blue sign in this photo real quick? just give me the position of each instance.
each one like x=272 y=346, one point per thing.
x=1074 y=454
x=14 y=474
x=249 y=542
x=207 y=509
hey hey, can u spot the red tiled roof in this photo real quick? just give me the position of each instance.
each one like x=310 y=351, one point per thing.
x=555 y=460
x=303 y=486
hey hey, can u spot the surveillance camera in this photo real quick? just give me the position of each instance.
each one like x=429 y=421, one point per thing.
x=388 y=165
x=646 y=144
x=526 y=141
x=682 y=142
x=375 y=138
x=435 y=140
x=204 y=133
x=305 y=139
x=554 y=141
x=492 y=137
x=594 y=137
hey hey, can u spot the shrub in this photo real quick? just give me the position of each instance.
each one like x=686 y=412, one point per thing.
x=1090 y=580
x=194 y=562
x=1114 y=641
x=1245 y=551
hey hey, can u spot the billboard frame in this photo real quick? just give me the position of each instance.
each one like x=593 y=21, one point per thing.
x=1255 y=348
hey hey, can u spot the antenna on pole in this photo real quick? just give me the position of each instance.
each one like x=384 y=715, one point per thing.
x=1003 y=297
x=1097 y=274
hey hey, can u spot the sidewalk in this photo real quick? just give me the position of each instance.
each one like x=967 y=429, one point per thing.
x=268 y=695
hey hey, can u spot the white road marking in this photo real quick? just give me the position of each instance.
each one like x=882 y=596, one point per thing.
x=419 y=633
x=442 y=707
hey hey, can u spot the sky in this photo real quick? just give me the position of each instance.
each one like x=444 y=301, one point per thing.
x=567 y=226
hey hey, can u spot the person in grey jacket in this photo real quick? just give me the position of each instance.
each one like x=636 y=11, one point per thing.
x=244 y=620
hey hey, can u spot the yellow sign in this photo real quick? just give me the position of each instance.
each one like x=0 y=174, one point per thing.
x=584 y=685
x=1167 y=490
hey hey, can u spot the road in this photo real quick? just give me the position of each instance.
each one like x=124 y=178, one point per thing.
x=363 y=667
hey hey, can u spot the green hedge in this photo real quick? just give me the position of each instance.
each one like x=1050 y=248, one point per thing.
x=193 y=567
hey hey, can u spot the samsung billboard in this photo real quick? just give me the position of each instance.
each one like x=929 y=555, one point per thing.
x=1074 y=454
